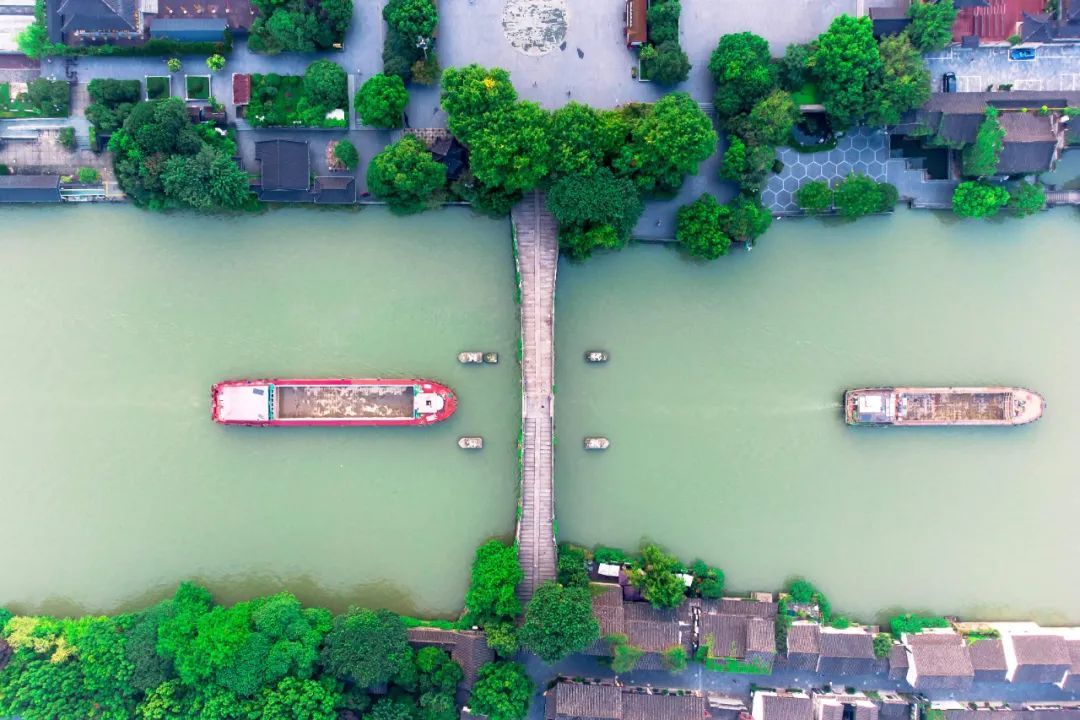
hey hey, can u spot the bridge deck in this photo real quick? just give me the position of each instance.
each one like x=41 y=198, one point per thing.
x=1063 y=197
x=538 y=255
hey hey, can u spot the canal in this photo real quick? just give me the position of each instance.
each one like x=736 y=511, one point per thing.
x=721 y=401
x=115 y=483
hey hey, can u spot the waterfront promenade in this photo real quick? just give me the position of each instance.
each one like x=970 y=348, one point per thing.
x=537 y=259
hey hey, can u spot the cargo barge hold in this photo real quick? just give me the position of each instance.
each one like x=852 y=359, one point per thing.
x=942 y=406
x=331 y=402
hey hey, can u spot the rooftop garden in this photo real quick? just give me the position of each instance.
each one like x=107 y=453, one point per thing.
x=318 y=99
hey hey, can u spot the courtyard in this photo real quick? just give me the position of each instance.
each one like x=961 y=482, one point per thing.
x=986 y=68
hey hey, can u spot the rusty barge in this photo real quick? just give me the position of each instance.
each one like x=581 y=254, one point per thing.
x=930 y=406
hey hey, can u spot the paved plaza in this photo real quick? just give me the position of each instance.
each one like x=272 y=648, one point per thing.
x=982 y=69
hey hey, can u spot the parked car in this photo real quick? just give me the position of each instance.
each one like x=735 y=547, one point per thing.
x=1022 y=54
x=948 y=82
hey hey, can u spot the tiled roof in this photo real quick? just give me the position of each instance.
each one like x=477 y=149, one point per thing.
x=1027 y=127
x=940 y=655
x=285 y=164
x=866 y=711
x=987 y=654
x=830 y=710
x=98 y=16
x=728 y=633
x=639 y=706
x=804 y=637
x=760 y=635
x=787 y=707
x=1074 y=655
x=241 y=88
x=847 y=644
x=735 y=606
x=650 y=629
x=467 y=647
x=898 y=657
x=573 y=700
x=1041 y=650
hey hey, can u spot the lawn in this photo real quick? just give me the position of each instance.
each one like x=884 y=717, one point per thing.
x=17 y=108
x=806 y=95
x=280 y=101
x=198 y=87
x=159 y=86
x=734 y=665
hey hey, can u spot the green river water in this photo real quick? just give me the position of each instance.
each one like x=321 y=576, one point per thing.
x=721 y=401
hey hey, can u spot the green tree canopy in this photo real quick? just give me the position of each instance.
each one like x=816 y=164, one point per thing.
x=979 y=199
x=495 y=577
x=326 y=85
x=299 y=25
x=470 y=93
x=671 y=65
x=581 y=203
x=772 y=117
x=814 y=196
x=931 y=24
x=502 y=691
x=697 y=228
x=794 y=67
x=412 y=18
x=299 y=699
x=579 y=141
x=905 y=80
x=512 y=149
x=381 y=101
x=572 y=570
x=658 y=579
x=346 y=154
x=745 y=219
x=1027 y=198
x=215 y=62
x=747 y=164
x=208 y=180
x=559 y=621
x=743 y=71
x=624 y=656
x=848 y=69
x=668 y=142
x=366 y=647
x=708 y=581
x=981 y=157
x=858 y=195
x=406 y=176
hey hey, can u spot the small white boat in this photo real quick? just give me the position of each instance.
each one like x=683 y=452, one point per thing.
x=471 y=443
x=597 y=443
x=470 y=357
x=491 y=358
x=596 y=356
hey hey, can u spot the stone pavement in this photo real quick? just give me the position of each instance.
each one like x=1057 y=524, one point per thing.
x=1054 y=68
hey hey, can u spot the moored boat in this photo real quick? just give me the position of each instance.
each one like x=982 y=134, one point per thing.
x=471 y=443
x=928 y=406
x=597 y=443
x=331 y=402
x=596 y=356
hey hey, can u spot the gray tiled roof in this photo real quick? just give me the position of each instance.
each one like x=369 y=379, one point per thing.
x=98 y=16
x=587 y=701
x=987 y=654
x=1074 y=655
x=786 y=707
x=573 y=701
x=804 y=638
x=639 y=706
x=831 y=710
x=650 y=629
x=940 y=655
x=847 y=644
x=735 y=606
x=467 y=647
x=1041 y=650
x=760 y=635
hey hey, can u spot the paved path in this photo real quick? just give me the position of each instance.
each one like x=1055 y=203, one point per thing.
x=538 y=256
x=1063 y=197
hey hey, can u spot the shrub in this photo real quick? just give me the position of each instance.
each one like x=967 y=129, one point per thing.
x=675 y=659
x=174 y=64
x=931 y=24
x=1027 y=199
x=858 y=195
x=426 y=71
x=88 y=175
x=624 y=655
x=882 y=645
x=215 y=62
x=814 y=196
x=67 y=138
x=981 y=157
x=612 y=556
x=911 y=623
x=381 y=101
x=671 y=65
x=697 y=228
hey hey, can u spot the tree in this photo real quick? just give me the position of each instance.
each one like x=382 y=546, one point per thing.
x=772 y=118
x=663 y=21
x=744 y=219
x=577 y=143
x=708 y=581
x=1027 y=198
x=502 y=691
x=326 y=86
x=346 y=155
x=366 y=647
x=814 y=196
x=412 y=18
x=658 y=579
x=697 y=228
x=299 y=25
x=848 y=69
x=208 y=180
x=743 y=71
x=571 y=566
x=381 y=101
x=559 y=621
x=882 y=645
x=581 y=203
x=978 y=199
x=905 y=80
x=512 y=148
x=502 y=637
x=858 y=195
x=794 y=67
x=671 y=65
x=675 y=659
x=802 y=591
x=981 y=157
x=215 y=62
x=406 y=176
x=471 y=93
x=668 y=142
x=495 y=577
x=67 y=138
x=391 y=709
x=299 y=699
x=911 y=623
x=174 y=64
x=52 y=98
x=624 y=656
x=931 y=24
x=148 y=668
x=747 y=164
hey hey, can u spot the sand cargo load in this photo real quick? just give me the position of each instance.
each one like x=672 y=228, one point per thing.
x=942 y=406
x=331 y=402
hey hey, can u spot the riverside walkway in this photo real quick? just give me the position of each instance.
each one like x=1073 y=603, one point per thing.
x=1063 y=197
x=537 y=259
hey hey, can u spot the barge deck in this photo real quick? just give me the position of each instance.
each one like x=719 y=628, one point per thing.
x=994 y=405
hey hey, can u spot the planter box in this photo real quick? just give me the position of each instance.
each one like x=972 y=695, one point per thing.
x=197 y=87
x=158 y=86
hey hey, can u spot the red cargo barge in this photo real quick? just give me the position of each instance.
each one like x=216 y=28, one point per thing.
x=331 y=402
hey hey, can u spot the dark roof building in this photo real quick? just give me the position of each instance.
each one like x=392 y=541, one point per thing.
x=1032 y=143
x=29 y=188
x=335 y=190
x=847 y=652
x=241 y=88
x=645 y=627
x=285 y=176
x=889 y=19
x=188 y=29
x=452 y=154
x=1071 y=683
x=1041 y=27
x=740 y=629
x=898 y=662
x=938 y=660
x=803 y=646
x=781 y=705
x=844 y=707
x=238 y=14
x=637 y=29
x=577 y=701
x=468 y=648
x=1036 y=658
x=988 y=660
x=83 y=21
